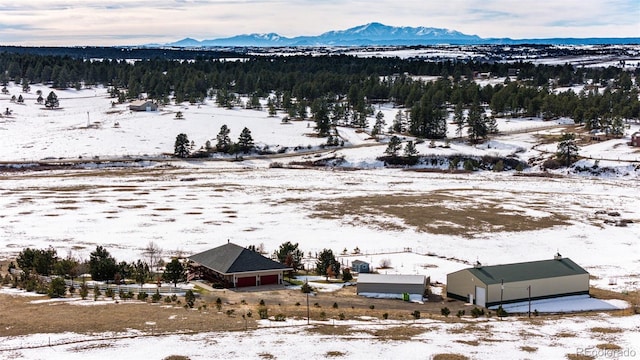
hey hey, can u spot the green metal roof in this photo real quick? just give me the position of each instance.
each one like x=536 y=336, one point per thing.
x=527 y=271
x=231 y=258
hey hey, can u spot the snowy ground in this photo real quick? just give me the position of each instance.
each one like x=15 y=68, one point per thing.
x=477 y=339
x=249 y=203
x=565 y=304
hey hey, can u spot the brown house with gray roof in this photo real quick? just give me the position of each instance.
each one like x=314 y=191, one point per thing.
x=234 y=266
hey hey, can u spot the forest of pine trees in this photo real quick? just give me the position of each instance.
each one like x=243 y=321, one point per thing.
x=341 y=89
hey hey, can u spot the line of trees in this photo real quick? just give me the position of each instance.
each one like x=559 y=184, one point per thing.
x=101 y=266
x=184 y=148
x=326 y=263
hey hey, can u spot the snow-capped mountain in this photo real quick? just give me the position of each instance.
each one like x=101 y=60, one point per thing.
x=369 y=34
x=379 y=34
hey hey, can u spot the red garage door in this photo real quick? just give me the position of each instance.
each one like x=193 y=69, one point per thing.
x=268 y=279
x=246 y=281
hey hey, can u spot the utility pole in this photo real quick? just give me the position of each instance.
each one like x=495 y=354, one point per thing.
x=501 y=293
x=529 y=288
x=308 y=313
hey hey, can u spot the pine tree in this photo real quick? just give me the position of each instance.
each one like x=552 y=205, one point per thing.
x=57 y=288
x=140 y=272
x=477 y=125
x=410 y=149
x=102 y=265
x=567 y=148
x=394 y=146
x=52 y=101
x=223 y=143
x=182 y=146
x=289 y=254
x=189 y=298
x=379 y=124
x=271 y=108
x=327 y=264
x=397 y=125
x=492 y=125
x=245 y=141
x=174 y=272
x=321 y=116
x=458 y=119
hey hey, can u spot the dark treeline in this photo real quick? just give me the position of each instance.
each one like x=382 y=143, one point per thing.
x=339 y=84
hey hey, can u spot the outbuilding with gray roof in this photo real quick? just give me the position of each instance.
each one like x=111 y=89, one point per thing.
x=392 y=284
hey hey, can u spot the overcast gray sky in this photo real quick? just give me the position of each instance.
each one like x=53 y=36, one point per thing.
x=128 y=22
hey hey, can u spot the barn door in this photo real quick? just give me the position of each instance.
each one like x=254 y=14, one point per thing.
x=481 y=296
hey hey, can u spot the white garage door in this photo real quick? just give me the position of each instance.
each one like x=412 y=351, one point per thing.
x=481 y=296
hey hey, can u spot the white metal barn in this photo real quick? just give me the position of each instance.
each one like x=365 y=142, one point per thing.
x=502 y=284
x=391 y=284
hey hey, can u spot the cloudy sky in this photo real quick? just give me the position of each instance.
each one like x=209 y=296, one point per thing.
x=128 y=22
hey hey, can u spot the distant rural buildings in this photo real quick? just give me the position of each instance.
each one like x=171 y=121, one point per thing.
x=360 y=266
x=635 y=139
x=143 y=105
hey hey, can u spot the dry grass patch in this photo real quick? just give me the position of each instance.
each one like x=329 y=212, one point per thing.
x=66 y=201
x=603 y=330
x=137 y=206
x=449 y=357
x=338 y=330
x=176 y=357
x=579 y=357
x=565 y=334
x=608 y=347
x=398 y=333
x=469 y=342
x=335 y=354
x=632 y=297
x=266 y=356
x=529 y=349
x=455 y=213
x=125 y=189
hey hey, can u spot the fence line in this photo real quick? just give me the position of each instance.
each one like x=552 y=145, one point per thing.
x=134 y=288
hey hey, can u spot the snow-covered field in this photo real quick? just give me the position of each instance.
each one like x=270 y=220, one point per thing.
x=595 y=335
x=190 y=206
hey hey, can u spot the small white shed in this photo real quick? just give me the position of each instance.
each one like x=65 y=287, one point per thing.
x=392 y=284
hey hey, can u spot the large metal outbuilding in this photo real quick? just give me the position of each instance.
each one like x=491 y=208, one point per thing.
x=391 y=284
x=502 y=284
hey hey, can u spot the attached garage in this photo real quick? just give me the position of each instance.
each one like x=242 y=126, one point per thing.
x=236 y=266
x=246 y=281
x=268 y=279
x=510 y=283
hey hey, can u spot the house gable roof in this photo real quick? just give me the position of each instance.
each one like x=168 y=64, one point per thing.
x=231 y=258
x=527 y=271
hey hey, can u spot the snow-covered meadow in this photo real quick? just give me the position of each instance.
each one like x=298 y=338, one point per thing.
x=190 y=206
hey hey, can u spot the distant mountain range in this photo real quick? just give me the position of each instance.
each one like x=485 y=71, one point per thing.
x=383 y=35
